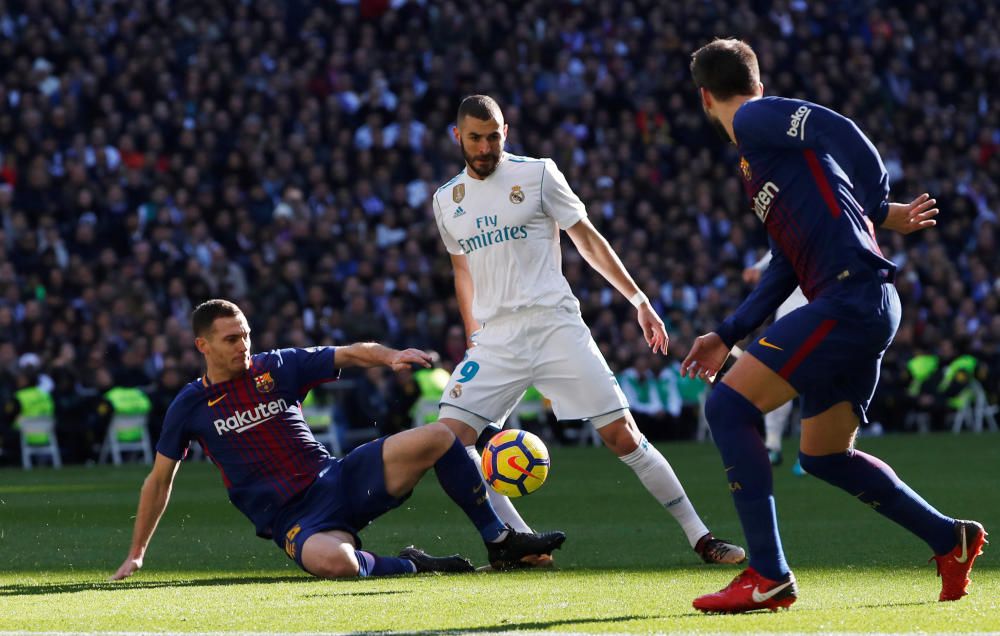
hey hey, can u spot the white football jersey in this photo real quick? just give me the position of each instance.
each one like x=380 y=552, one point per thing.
x=507 y=225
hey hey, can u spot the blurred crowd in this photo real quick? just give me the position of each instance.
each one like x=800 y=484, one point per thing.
x=154 y=154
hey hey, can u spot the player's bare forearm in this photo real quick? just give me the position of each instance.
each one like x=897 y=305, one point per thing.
x=363 y=354
x=153 y=501
x=372 y=354
x=596 y=250
x=367 y=354
x=464 y=293
x=152 y=504
x=598 y=253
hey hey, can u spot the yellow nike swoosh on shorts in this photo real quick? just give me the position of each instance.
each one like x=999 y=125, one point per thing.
x=765 y=343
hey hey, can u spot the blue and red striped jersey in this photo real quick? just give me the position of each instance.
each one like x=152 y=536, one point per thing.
x=819 y=186
x=252 y=428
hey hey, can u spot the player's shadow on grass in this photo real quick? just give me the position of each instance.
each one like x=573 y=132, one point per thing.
x=516 y=627
x=381 y=593
x=110 y=586
x=695 y=614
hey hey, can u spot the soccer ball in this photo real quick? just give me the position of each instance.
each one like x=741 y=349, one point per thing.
x=515 y=463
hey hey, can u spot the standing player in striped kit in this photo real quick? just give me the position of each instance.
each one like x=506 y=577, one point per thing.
x=819 y=186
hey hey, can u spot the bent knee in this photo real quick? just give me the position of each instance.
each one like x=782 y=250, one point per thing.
x=726 y=406
x=338 y=565
x=715 y=404
x=465 y=433
x=439 y=435
x=619 y=437
x=823 y=465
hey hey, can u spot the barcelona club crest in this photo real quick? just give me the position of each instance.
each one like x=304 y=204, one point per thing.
x=458 y=193
x=516 y=195
x=745 y=168
x=264 y=383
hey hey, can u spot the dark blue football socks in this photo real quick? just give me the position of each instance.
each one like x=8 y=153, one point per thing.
x=374 y=565
x=875 y=483
x=460 y=479
x=735 y=423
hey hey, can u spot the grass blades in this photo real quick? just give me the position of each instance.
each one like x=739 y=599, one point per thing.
x=625 y=567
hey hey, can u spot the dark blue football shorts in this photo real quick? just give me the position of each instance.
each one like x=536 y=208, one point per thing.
x=348 y=494
x=831 y=350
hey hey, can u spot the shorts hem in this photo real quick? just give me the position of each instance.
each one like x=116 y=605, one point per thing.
x=462 y=415
x=602 y=420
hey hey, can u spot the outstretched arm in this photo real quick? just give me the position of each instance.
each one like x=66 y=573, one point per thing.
x=370 y=354
x=152 y=502
x=598 y=253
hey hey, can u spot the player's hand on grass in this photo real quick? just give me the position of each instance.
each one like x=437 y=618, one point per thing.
x=653 y=329
x=403 y=359
x=918 y=214
x=127 y=569
x=707 y=356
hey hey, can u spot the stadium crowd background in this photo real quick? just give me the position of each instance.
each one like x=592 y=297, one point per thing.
x=282 y=155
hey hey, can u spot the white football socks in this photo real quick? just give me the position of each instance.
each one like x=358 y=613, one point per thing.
x=774 y=425
x=504 y=508
x=659 y=479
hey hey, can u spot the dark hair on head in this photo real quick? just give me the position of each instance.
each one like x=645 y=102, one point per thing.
x=726 y=67
x=481 y=107
x=205 y=314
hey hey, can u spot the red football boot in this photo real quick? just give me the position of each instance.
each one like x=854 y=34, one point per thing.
x=748 y=592
x=954 y=567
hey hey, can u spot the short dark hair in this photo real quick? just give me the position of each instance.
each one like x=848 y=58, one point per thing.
x=207 y=312
x=481 y=107
x=726 y=68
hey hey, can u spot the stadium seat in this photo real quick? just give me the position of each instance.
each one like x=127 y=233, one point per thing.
x=431 y=383
x=424 y=411
x=585 y=435
x=329 y=429
x=38 y=440
x=126 y=434
x=703 y=432
x=319 y=416
x=919 y=421
x=346 y=437
x=976 y=412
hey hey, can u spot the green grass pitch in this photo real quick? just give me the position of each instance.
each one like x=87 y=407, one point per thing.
x=625 y=568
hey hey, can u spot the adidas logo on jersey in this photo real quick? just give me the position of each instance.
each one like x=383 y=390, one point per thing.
x=244 y=420
x=459 y=212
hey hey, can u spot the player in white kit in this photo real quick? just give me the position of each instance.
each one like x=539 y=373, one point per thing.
x=500 y=220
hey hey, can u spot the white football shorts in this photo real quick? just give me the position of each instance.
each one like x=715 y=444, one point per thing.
x=550 y=348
